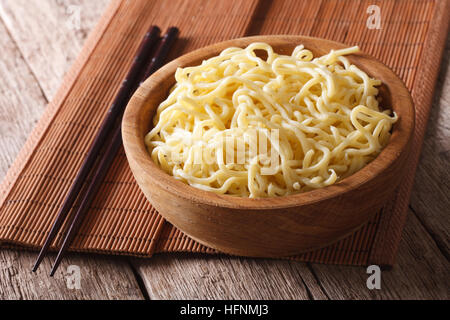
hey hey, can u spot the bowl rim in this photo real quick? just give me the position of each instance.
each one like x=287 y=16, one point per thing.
x=399 y=142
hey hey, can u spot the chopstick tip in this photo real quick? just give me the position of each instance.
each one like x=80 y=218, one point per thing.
x=37 y=263
x=52 y=273
x=60 y=255
x=173 y=31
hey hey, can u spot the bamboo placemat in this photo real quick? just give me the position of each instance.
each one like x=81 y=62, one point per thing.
x=121 y=221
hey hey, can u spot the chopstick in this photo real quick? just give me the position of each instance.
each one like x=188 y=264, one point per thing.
x=126 y=89
x=111 y=150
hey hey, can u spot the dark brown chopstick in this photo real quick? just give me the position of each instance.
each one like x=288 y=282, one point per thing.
x=118 y=106
x=111 y=151
x=163 y=50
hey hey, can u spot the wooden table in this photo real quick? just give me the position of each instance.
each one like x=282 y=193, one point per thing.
x=38 y=46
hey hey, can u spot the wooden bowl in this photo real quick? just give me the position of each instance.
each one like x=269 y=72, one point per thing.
x=269 y=227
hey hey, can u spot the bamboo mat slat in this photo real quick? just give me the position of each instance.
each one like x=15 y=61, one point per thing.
x=121 y=221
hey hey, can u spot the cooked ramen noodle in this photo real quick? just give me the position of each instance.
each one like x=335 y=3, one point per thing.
x=254 y=123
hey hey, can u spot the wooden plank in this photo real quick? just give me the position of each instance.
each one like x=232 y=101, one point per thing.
x=189 y=276
x=422 y=272
x=21 y=101
x=47 y=34
x=21 y=104
x=100 y=278
x=430 y=198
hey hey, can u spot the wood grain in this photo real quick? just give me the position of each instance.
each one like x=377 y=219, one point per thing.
x=430 y=198
x=45 y=34
x=417 y=254
x=194 y=276
x=102 y=278
x=18 y=112
x=422 y=272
